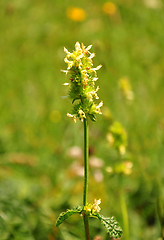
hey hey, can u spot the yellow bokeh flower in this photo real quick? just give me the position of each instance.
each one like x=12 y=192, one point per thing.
x=109 y=8
x=125 y=168
x=76 y=14
x=126 y=88
x=128 y=167
x=117 y=137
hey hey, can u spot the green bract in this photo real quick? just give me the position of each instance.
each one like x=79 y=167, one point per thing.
x=82 y=78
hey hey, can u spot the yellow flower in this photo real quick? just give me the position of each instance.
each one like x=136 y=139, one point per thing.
x=98 y=108
x=88 y=208
x=92 y=207
x=124 y=168
x=109 y=169
x=117 y=137
x=109 y=8
x=81 y=115
x=125 y=88
x=128 y=167
x=72 y=116
x=122 y=149
x=76 y=14
x=95 y=206
x=110 y=139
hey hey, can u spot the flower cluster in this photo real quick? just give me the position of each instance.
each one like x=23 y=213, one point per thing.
x=82 y=78
x=117 y=137
x=92 y=208
x=121 y=168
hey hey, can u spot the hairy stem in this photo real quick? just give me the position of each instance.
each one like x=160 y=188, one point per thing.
x=86 y=225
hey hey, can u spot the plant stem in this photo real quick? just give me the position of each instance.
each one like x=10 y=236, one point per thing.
x=85 y=162
x=125 y=215
x=86 y=225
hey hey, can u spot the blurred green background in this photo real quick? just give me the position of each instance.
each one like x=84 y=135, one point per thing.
x=40 y=172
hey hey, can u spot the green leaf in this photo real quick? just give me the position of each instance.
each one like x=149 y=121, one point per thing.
x=64 y=215
x=111 y=225
x=75 y=99
x=92 y=117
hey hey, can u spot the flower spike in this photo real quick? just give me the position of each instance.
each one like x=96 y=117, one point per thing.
x=82 y=82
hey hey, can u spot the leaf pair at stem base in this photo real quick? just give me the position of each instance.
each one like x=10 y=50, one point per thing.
x=111 y=225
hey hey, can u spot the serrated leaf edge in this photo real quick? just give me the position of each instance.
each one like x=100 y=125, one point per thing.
x=112 y=226
x=64 y=215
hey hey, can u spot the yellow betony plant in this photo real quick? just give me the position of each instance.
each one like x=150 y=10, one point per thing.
x=86 y=104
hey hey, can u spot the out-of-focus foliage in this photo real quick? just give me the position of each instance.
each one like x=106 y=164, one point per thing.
x=38 y=178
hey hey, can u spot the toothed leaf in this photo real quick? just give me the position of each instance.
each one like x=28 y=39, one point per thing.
x=64 y=215
x=111 y=225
